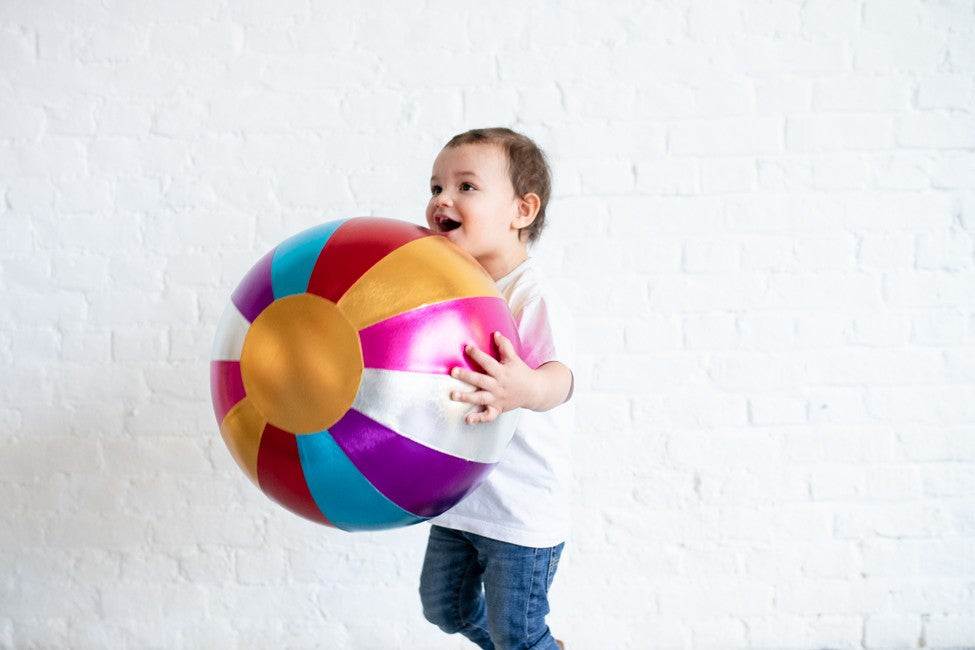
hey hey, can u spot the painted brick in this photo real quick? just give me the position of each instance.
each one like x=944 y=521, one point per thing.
x=726 y=136
x=831 y=132
x=949 y=631
x=945 y=91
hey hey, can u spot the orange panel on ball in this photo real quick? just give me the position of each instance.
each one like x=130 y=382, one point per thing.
x=422 y=272
x=241 y=431
x=301 y=363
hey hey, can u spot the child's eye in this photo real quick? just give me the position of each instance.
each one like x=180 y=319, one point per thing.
x=435 y=190
x=466 y=187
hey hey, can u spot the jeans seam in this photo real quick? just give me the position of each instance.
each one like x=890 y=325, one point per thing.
x=463 y=621
x=553 y=564
x=531 y=591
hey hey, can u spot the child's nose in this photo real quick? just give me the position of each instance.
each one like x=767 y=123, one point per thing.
x=443 y=199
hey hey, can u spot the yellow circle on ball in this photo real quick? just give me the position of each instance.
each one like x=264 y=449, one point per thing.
x=301 y=363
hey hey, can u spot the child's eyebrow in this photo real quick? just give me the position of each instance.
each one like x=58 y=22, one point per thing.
x=461 y=173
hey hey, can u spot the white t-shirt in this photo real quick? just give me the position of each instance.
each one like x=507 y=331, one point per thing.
x=525 y=500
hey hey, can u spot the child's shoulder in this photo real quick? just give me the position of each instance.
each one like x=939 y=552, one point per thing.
x=537 y=306
x=544 y=323
x=525 y=285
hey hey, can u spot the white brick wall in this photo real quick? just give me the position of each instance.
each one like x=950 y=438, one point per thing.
x=765 y=222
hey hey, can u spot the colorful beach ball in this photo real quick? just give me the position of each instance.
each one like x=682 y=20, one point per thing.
x=330 y=373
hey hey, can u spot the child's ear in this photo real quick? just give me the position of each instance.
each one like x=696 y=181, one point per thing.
x=528 y=207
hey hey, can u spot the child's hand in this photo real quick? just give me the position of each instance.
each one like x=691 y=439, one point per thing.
x=505 y=385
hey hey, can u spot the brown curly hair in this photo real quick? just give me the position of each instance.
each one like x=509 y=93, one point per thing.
x=527 y=166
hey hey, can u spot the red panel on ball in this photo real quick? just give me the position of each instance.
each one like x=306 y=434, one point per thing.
x=354 y=248
x=281 y=477
x=226 y=386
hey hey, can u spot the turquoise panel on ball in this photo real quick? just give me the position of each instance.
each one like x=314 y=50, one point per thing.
x=295 y=258
x=341 y=492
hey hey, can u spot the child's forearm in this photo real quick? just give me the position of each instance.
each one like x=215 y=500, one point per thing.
x=552 y=386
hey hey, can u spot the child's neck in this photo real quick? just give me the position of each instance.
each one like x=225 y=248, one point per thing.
x=501 y=263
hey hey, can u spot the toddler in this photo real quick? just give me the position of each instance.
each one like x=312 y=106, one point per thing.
x=491 y=559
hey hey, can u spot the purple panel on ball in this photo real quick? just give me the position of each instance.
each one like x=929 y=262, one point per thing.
x=255 y=292
x=418 y=479
x=431 y=339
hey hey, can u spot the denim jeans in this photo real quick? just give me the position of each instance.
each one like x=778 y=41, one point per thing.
x=494 y=593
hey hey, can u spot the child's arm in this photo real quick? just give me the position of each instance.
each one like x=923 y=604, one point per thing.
x=509 y=383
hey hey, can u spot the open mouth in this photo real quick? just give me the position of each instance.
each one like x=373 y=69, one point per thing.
x=445 y=224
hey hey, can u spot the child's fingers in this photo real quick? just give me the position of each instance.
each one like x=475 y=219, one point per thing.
x=476 y=397
x=505 y=347
x=489 y=414
x=475 y=379
x=482 y=358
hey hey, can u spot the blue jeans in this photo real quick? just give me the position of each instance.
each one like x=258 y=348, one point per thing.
x=494 y=593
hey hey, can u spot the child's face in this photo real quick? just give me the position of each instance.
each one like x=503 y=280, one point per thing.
x=474 y=205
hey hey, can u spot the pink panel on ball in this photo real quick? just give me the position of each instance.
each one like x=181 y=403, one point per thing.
x=226 y=386
x=354 y=248
x=281 y=477
x=432 y=339
x=421 y=480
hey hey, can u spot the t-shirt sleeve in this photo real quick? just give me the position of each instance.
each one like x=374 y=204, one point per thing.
x=546 y=333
